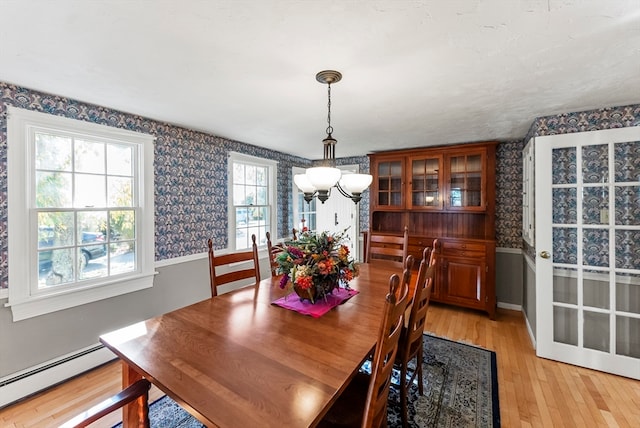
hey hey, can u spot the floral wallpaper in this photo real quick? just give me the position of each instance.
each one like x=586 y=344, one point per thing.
x=509 y=194
x=590 y=120
x=190 y=174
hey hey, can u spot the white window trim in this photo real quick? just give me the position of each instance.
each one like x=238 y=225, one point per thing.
x=231 y=214
x=25 y=305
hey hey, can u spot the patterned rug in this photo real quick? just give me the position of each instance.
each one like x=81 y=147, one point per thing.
x=460 y=385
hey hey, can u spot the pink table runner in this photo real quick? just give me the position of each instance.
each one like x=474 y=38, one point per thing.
x=321 y=307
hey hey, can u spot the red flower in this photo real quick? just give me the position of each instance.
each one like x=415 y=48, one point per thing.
x=325 y=266
x=304 y=282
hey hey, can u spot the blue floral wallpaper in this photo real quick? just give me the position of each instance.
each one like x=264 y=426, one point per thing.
x=191 y=172
x=590 y=120
x=509 y=194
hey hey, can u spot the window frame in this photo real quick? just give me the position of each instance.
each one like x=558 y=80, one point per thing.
x=24 y=303
x=272 y=169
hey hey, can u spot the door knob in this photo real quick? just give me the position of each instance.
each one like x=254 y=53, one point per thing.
x=545 y=254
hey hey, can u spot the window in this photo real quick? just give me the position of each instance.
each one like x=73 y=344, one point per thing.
x=80 y=212
x=252 y=196
x=304 y=214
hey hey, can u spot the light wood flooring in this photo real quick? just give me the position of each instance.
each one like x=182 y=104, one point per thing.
x=533 y=392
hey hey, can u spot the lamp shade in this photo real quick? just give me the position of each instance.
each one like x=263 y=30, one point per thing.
x=355 y=183
x=323 y=177
x=303 y=183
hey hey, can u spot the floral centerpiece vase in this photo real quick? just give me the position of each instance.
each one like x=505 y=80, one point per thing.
x=315 y=264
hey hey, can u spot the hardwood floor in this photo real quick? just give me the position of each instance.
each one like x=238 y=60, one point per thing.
x=534 y=392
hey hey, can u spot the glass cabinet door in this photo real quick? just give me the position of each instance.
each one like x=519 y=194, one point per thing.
x=465 y=182
x=426 y=192
x=389 y=184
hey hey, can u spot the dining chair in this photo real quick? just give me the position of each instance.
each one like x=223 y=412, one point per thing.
x=139 y=390
x=387 y=247
x=364 y=401
x=272 y=252
x=410 y=346
x=247 y=256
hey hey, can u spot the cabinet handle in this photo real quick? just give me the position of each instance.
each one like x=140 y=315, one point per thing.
x=545 y=254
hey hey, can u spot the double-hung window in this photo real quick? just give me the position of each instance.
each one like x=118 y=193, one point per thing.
x=80 y=212
x=251 y=203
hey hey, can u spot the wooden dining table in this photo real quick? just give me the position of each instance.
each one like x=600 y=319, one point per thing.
x=237 y=360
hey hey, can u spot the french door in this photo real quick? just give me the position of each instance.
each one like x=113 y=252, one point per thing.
x=339 y=213
x=587 y=195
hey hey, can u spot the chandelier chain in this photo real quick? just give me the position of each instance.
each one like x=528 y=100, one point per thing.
x=329 y=128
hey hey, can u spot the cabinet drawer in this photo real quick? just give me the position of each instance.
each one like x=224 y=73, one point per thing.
x=418 y=244
x=464 y=249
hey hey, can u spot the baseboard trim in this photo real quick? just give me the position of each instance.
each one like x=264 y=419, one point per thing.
x=510 y=306
x=508 y=250
x=530 y=331
x=25 y=383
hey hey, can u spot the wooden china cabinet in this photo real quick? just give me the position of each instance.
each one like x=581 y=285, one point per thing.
x=448 y=193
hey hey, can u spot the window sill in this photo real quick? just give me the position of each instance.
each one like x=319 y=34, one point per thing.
x=36 y=306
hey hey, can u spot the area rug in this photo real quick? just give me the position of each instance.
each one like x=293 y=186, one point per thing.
x=460 y=385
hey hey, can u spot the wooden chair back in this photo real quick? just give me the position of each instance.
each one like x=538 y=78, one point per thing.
x=139 y=390
x=364 y=401
x=387 y=247
x=386 y=350
x=422 y=293
x=411 y=343
x=272 y=252
x=222 y=260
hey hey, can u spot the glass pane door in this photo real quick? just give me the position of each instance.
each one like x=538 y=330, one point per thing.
x=590 y=314
x=390 y=183
x=425 y=183
x=465 y=181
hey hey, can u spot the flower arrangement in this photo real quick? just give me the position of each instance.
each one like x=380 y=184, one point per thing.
x=315 y=264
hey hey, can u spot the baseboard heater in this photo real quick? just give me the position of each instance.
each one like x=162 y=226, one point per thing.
x=25 y=383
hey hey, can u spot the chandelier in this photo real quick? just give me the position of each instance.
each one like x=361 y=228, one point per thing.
x=318 y=181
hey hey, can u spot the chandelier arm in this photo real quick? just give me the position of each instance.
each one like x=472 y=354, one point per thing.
x=354 y=197
x=342 y=191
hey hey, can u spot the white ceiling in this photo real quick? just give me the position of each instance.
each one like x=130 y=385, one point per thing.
x=415 y=73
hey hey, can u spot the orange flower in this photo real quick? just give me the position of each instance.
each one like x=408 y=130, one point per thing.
x=343 y=252
x=325 y=266
x=304 y=282
x=347 y=274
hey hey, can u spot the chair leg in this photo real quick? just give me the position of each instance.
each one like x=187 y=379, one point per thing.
x=404 y=387
x=419 y=370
